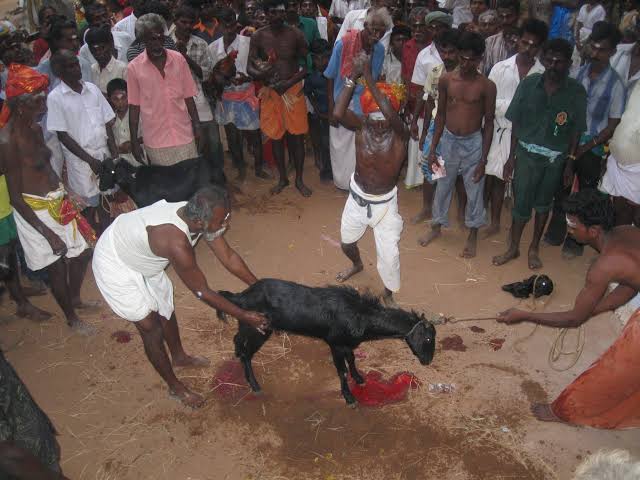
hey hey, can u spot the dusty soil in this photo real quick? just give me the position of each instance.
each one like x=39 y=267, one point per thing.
x=116 y=420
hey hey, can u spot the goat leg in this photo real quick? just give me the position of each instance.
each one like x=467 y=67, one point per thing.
x=351 y=360
x=339 y=361
x=247 y=342
x=249 y=375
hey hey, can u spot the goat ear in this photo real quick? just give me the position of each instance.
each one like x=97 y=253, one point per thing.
x=422 y=317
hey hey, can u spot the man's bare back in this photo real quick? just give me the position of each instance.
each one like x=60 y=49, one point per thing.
x=283 y=47
x=465 y=101
x=620 y=257
x=379 y=158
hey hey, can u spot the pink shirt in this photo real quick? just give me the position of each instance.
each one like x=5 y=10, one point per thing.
x=163 y=113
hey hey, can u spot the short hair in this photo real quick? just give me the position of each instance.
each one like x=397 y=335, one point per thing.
x=592 y=208
x=401 y=30
x=488 y=16
x=57 y=27
x=487 y=3
x=471 y=41
x=225 y=15
x=511 y=4
x=92 y=10
x=148 y=22
x=448 y=38
x=418 y=12
x=320 y=47
x=379 y=13
x=59 y=58
x=185 y=11
x=158 y=7
x=98 y=35
x=537 y=28
x=115 y=85
x=558 y=45
x=200 y=206
x=606 y=31
x=269 y=4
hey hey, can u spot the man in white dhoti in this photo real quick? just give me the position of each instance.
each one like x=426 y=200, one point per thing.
x=129 y=266
x=381 y=145
x=507 y=75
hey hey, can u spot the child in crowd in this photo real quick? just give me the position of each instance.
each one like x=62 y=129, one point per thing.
x=117 y=96
x=315 y=88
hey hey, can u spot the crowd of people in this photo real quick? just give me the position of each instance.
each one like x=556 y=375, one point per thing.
x=476 y=97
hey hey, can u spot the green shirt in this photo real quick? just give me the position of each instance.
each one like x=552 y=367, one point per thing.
x=548 y=121
x=309 y=29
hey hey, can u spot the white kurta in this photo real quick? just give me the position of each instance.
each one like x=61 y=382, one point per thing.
x=505 y=75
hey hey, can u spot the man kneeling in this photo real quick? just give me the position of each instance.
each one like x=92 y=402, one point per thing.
x=129 y=265
x=381 y=147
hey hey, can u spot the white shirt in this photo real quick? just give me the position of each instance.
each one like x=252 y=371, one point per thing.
x=426 y=60
x=340 y=8
x=122 y=134
x=240 y=45
x=462 y=14
x=355 y=21
x=83 y=116
x=391 y=68
x=121 y=41
x=589 y=18
x=323 y=27
x=114 y=69
x=126 y=25
x=621 y=63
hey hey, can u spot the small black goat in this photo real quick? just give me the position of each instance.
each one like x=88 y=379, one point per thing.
x=339 y=315
x=148 y=184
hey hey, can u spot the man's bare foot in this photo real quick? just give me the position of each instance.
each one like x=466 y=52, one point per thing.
x=349 y=272
x=187 y=397
x=87 y=305
x=509 y=255
x=423 y=215
x=189 y=361
x=82 y=328
x=279 y=187
x=429 y=237
x=491 y=231
x=470 y=247
x=534 y=260
x=303 y=189
x=263 y=174
x=543 y=412
x=32 y=312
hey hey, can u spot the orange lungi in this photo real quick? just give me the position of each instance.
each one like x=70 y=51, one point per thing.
x=607 y=394
x=283 y=113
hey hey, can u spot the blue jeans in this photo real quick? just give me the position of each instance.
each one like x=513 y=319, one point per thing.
x=461 y=157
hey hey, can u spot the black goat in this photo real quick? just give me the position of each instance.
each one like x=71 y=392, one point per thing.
x=339 y=315
x=149 y=183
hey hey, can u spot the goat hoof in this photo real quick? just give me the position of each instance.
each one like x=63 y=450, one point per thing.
x=358 y=379
x=258 y=392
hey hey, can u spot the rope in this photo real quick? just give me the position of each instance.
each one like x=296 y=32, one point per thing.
x=557 y=349
x=104 y=200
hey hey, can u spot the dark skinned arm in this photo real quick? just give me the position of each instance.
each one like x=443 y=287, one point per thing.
x=569 y=166
x=429 y=105
x=510 y=165
x=231 y=260
x=78 y=151
x=331 y=103
x=18 y=463
x=620 y=295
x=195 y=120
x=340 y=109
x=441 y=117
x=487 y=131
x=254 y=51
x=603 y=137
x=182 y=257
x=417 y=110
x=111 y=140
x=588 y=299
x=134 y=122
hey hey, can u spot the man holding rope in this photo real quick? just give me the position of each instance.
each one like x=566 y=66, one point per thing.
x=607 y=394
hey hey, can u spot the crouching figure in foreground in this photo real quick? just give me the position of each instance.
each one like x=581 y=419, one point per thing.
x=129 y=265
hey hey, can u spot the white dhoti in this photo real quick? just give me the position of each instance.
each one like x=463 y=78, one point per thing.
x=343 y=155
x=387 y=225
x=622 y=180
x=414 y=176
x=130 y=294
x=499 y=152
x=37 y=251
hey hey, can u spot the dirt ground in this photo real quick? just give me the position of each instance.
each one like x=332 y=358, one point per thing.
x=116 y=420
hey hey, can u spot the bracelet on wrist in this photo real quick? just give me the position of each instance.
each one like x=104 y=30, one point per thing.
x=349 y=83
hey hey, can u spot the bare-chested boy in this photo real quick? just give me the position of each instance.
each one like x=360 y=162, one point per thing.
x=277 y=56
x=36 y=195
x=466 y=98
x=607 y=394
x=381 y=147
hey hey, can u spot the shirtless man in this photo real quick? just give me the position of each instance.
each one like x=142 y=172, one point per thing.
x=35 y=190
x=606 y=395
x=277 y=56
x=466 y=98
x=129 y=265
x=381 y=147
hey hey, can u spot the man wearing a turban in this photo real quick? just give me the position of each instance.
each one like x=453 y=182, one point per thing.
x=381 y=145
